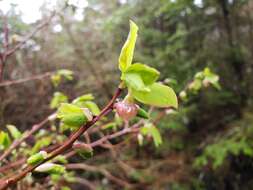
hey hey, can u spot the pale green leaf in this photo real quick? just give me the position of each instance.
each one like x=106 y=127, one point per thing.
x=92 y=107
x=135 y=82
x=127 y=52
x=150 y=129
x=15 y=133
x=156 y=136
x=37 y=158
x=71 y=115
x=57 y=99
x=83 y=98
x=159 y=95
x=56 y=79
x=148 y=74
x=43 y=142
x=4 y=140
x=111 y=125
x=67 y=74
x=51 y=168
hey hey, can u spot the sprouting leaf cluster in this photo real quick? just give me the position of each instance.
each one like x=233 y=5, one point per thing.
x=140 y=79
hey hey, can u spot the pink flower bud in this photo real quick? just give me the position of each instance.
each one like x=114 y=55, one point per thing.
x=126 y=110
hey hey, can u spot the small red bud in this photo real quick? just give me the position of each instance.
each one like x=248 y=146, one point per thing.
x=126 y=110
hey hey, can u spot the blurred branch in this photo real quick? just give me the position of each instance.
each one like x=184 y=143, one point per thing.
x=8 y=52
x=85 y=182
x=7 y=182
x=26 y=135
x=103 y=171
x=36 y=77
x=12 y=165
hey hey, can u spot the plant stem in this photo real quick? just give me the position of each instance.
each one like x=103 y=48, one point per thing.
x=4 y=184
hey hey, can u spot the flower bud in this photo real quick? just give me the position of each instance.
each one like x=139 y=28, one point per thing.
x=126 y=110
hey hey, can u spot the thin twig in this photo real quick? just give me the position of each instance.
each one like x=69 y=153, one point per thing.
x=85 y=182
x=4 y=184
x=26 y=135
x=9 y=51
x=103 y=171
x=14 y=82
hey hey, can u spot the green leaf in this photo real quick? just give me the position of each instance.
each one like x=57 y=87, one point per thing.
x=111 y=125
x=65 y=188
x=195 y=85
x=150 y=129
x=148 y=74
x=43 y=142
x=67 y=74
x=156 y=136
x=159 y=95
x=92 y=107
x=56 y=79
x=50 y=168
x=126 y=55
x=84 y=150
x=37 y=158
x=63 y=73
x=61 y=159
x=57 y=99
x=4 y=140
x=71 y=115
x=142 y=113
x=83 y=98
x=85 y=101
x=134 y=81
x=15 y=133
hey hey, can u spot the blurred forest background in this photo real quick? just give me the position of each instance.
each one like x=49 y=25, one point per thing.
x=207 y=144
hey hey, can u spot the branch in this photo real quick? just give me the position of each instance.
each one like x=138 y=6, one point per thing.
x=17 y=142
x=30 y=35
x=8 y=52
x=85 y=182
x=4 y=184
x=14 y=82
x=114 y=135
x=103 y=171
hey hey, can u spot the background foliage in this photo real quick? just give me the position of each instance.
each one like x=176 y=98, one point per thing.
x=206 y=143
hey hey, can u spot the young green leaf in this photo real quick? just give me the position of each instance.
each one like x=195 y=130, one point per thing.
x=57 y=99
x=56 y=79
x=148 y=74
x=65 y=188
x=5 y=140
x=15 y=133
x=93 y=107
x=83 y=98
x=111 y=125
x=142 y=113
x=37 y=158
x=159 y=95
x=84 y=150
x=67 y=74
x=71 y=115
x=126 y=55
x=150 y=129
x=50 y=168
x=61 y=159
x=156 y=136
x=43 y=142
x=134 y=81
x=85 y=102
